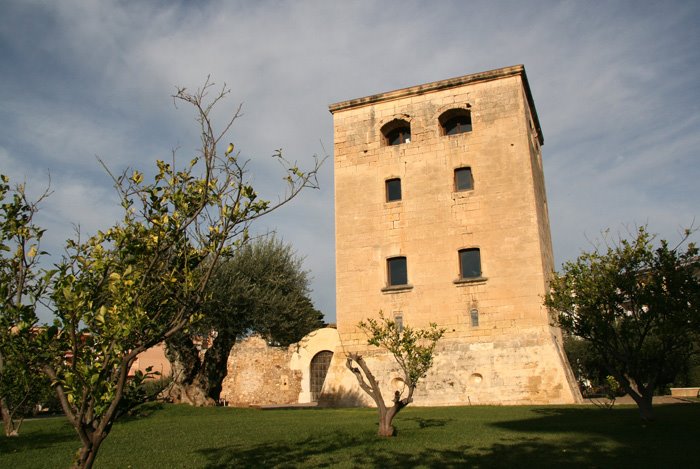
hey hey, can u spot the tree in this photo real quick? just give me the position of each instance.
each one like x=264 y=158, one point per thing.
x=639 y=308
x=22 y=285
x=589 y=371
x=413 y=351
x=144 y=279
x=260 y=289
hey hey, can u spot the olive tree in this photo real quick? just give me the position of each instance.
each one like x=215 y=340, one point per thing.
x=144 y=279
x=413 y=350
x=638 y=305
x=261 y=289
x=22 y=285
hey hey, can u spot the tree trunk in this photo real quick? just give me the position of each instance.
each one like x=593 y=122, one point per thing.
x=642 y=396
x=87 y=454
x=190 y=394
x=644 y=403
x=386 y=417
x=215 y=366
x=7 y=422
x=183 y=357
x=185 y=363
x=198 y=382
x=371 y=387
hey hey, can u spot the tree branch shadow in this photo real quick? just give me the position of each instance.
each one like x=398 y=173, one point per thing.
x=37 y=439
x=558 y=437
x=424 y=422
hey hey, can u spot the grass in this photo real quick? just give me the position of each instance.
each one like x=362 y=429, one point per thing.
x=552 y=436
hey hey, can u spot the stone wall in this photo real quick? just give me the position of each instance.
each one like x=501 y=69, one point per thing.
x=513 y=355
x=260 y=375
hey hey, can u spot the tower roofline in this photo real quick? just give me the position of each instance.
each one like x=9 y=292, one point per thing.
x=499 y=73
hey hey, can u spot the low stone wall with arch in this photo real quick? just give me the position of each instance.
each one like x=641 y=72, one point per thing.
x=320 y=340
x=260 y=374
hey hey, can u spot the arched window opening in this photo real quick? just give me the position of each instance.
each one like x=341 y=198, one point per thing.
x=319 y=368
x=397 y=132
x=456 y=121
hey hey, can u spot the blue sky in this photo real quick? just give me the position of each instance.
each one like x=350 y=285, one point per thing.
x=616 y=85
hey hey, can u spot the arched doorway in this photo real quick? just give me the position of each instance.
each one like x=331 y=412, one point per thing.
x=319 y=368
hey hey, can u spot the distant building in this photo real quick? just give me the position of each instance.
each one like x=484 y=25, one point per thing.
x=155 y=359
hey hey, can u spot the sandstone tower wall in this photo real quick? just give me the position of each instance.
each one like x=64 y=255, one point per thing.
x=513 y=355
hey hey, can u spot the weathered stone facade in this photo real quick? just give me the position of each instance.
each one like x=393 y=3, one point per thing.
x=260 y=375
x=508 y=354
x=499 y=347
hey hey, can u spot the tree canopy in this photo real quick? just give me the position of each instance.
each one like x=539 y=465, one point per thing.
x=138 y=282
x=22 y=286
x=638 y=304
x=263 y=289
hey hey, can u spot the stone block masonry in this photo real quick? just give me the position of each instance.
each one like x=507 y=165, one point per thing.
x=500 y=346
x=509 y=354
x=260 y=375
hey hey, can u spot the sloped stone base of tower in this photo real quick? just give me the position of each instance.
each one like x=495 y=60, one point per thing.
x=529 y=369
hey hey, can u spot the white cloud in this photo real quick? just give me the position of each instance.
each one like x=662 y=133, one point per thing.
x=615 y=87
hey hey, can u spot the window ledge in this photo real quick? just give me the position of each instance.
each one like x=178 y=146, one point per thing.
x=397 y=288
x=462 y=281
x=463 y=195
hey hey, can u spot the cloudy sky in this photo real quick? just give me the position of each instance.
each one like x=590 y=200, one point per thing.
x=616 y=85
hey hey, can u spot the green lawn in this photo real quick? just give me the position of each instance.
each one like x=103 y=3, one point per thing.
x=555 y=436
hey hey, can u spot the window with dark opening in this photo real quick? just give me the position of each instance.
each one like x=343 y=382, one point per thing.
x=456 y=121
x=474 y=313
x=463 y=179
x=398 y=319
x=393 y=190
x=469 y=263
x=396 y=269
x=397 y=132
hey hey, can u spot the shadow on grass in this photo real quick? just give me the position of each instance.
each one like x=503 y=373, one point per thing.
x=616 y=423
x=425 y=423
x=37 y=439
x=326 y=452
x=597 y=437
x=549 y=437
x=141 y=412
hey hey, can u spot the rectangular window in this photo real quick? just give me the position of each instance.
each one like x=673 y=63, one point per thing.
x=396 y=268
x=398 y=319
x=393 y=190
x=474 y=313
x=463 y=179
x=469 y=263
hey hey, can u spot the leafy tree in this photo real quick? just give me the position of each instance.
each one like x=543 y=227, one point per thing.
x=144 y=279
x=260 y=289
x=690 y=375
x=639 y=308
x=590 y=372
x=413 y=351
x=21 y=287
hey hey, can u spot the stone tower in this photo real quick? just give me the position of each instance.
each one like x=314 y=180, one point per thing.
x=441 y=216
